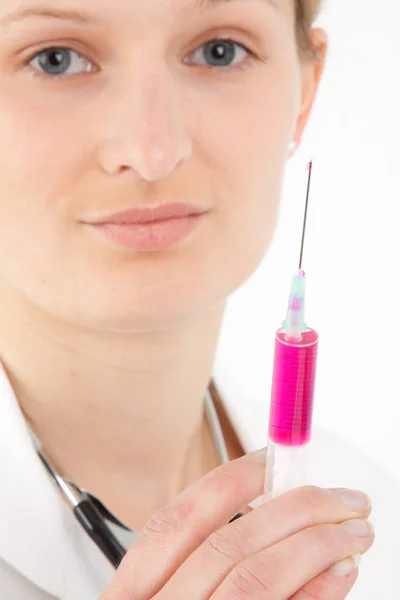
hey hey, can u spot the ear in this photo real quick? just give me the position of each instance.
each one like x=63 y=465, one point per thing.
x=312 y=70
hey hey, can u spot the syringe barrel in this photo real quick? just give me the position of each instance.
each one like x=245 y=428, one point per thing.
x=285 y=469
x=293 y=383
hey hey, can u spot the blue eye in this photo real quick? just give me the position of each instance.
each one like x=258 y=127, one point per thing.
x=55 y=62
x=58 y=63
x=220 y=53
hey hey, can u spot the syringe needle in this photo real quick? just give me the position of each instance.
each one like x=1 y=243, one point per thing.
x=309 y=166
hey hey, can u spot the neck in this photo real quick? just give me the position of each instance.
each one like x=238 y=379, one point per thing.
x=115 y=412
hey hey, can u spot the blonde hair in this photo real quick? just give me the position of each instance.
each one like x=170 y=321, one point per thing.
x=306 y=13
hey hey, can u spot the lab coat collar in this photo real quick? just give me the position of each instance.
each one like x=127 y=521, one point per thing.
x=23 y=476
x=44 y=560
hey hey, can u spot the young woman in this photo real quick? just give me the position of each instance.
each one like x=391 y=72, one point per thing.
x=112 y=115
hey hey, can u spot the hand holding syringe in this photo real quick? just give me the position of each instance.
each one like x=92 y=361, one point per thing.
x=234 y=560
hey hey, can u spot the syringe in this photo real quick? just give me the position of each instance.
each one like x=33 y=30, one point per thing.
x=292 y=394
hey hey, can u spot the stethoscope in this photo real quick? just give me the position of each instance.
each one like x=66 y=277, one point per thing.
x=100 y=524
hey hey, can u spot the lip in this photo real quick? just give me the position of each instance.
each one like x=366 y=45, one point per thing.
x=149 y=214
x=144 y=230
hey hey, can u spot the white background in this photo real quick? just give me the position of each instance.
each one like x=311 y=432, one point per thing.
x=351 y=255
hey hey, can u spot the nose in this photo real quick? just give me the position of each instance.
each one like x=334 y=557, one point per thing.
x=145 y=129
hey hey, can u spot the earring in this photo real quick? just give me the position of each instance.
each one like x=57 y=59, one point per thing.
x=292 y=147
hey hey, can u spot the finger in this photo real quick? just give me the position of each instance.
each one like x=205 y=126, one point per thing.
x=282 y=570
x=333 y=584
x=261 y=528
x=177 y=529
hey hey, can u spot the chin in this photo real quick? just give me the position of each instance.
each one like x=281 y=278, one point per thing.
x=133 y=312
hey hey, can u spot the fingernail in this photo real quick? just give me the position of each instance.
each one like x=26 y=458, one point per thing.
x=360 y=527
x=346 y=567
x=354 y=499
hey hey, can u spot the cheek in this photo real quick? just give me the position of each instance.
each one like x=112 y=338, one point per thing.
x=32 y=175
x=246 y=147
x=34 y=155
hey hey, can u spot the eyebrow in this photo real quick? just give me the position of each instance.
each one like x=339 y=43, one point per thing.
x=53 y=13
x=82 y=18
x=204 y=4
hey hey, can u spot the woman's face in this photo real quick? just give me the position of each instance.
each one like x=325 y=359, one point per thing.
x=125 y=103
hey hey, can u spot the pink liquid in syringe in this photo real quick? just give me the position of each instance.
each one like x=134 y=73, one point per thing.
x=293 y=383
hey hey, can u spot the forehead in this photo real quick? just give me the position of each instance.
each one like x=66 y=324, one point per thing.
x=13 y=10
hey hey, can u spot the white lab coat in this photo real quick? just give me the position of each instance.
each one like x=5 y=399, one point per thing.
x=44 y=554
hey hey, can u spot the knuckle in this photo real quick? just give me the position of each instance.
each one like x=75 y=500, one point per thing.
x=309 y=595
x=225 y=481
x=232 y=545
x=168 y=520
x=311 y=498
x=226 y=477
x=326 y=539
x=255 y=580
